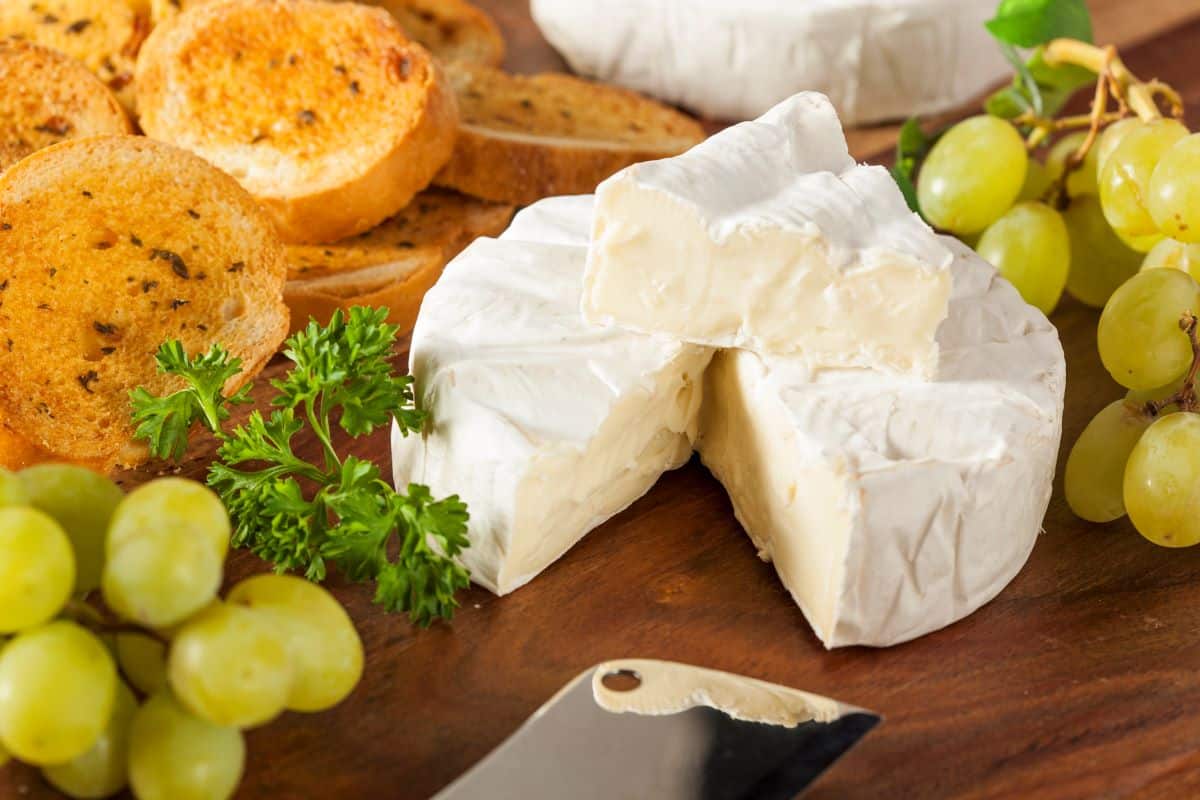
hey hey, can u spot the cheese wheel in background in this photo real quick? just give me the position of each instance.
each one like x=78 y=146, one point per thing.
x=877 y=60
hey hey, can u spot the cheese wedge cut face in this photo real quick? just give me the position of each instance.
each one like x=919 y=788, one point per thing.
x=769 y=237
x=544 y=425
x=892 y=507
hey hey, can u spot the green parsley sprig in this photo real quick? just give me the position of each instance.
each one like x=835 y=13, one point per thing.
x=302 y=516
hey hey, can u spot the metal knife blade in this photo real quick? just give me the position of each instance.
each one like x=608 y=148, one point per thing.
x=655 y=729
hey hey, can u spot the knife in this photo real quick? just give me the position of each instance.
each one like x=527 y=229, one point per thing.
x=655 y=729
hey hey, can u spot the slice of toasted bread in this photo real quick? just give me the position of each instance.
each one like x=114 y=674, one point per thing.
x=104 y=34
x=325 y=112
x=523 y=138
x=453 y=30
x=48 y=97
x=110 y=246
x=392 y=265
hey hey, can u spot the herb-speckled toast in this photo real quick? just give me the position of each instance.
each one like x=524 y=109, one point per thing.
x=48 y=97
x=108 y=247
x=327 y=113
x=523 y=138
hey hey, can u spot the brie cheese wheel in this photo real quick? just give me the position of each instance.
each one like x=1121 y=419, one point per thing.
x=769 y=237
x=544 y=425
x=876 y=59
x=892 y=507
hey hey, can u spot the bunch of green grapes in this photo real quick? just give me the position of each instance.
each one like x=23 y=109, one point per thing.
x=72 y=672
x=981 y=183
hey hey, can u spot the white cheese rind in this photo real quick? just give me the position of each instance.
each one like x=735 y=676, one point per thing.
x=769 y=237
x=876 y=59
x=546 y=426
x=893 y=507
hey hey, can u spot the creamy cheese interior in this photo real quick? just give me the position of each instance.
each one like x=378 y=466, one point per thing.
x=769 y=237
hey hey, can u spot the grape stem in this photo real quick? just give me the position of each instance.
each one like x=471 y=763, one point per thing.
x=102 y=621
x=1185 y=398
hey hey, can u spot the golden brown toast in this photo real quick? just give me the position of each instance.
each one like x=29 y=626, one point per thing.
x=453 y=30
x=392 y=265
x=325 y=112
x=104 y=34
x=523 y=138
x=110 y=246
x=48 y=97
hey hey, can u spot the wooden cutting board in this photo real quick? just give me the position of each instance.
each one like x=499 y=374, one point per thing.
x=1081 y=680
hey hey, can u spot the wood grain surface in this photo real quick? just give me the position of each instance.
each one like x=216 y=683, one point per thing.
x=1081 y=680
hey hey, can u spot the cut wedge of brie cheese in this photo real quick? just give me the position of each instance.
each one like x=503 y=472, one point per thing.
x=892 y=507
x=545 y=425
x=769 y=237
x=877 y=59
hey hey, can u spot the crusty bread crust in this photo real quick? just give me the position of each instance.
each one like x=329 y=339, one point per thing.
x=393 y=265
x=523 y=138
x=104 y=34
x=48 y=97
x=326 y=113
x=108 y=247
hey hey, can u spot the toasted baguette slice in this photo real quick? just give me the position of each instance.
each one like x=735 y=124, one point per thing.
x=49 y=97
x=110 y=246
x=392 y=265
x=453 y=30
x=325 y=112
x=104 y=34
x=523 y=138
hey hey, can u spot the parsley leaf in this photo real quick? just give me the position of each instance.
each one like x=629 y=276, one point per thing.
x=303 y=516
x=166 y=422
x=1029 y=23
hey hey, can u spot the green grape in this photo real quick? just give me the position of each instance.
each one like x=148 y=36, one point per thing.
x=1174 y=197
x=1139 y=337
x=1037 y=181
x=200 y=674
x=1111 y=138
x=1095 y=474
x=82 y=502
x=1125 y=181
x=37 y=568
x=143 y=661
x=162 y=578
x=1140 y=398
x=12 y=490
x=4 y=756
x=1100 y=261
x=321 y=639
x=972 y=175
x=103 y=770
x=1162 y=482
x=171 y=504
x=1084 y=179
x=58 y=684
x=175 y=756
x=1174 y=255
x=1031 y=248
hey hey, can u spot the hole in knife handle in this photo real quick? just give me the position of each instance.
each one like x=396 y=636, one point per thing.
x=622 y=680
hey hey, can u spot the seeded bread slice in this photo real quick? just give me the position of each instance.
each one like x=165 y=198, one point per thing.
x=110 y=246
x=325 y=112
x=453 y=30
x=392 y=265
x=523 y=138
x=48 y=97
x=104 y=34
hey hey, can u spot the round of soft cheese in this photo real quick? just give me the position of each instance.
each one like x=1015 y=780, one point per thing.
x=876 y=59
x=892 y=507
x=545 y=425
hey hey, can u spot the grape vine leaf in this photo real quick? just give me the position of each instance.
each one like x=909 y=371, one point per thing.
x=1029 y=23
x=912 y=146
x=1037 y=87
